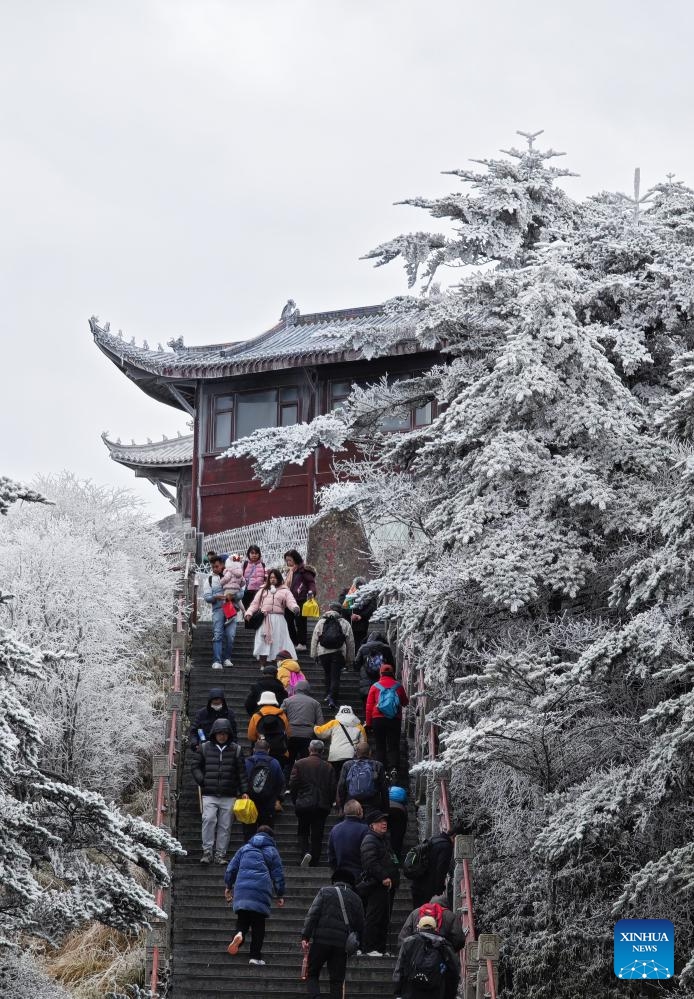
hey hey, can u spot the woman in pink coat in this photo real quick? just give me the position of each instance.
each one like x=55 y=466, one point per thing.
x=273 y=635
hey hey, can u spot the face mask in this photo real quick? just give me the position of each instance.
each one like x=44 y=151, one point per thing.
x=273 y=589
x=216 y=707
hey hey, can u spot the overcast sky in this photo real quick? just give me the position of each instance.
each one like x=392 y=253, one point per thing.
x=186 y=167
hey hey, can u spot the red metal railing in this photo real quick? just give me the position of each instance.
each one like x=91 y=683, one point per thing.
x=425 y=741
x=161 y=806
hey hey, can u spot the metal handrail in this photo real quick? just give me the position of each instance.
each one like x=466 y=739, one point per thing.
x=426 y=735
x=171 y=746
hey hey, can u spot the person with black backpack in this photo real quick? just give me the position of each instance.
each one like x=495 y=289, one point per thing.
x=374 y=653
x=427 y=864
x=364 y=780
x=271 y=722
x=332 y=646
x=265 y=786
x=427 y=967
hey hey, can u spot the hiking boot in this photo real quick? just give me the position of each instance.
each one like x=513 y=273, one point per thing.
x=228 y=663
x=300 y=648
x=217 y=666
x=237 y=942
x=219 y=859
x=305 y=860
x=374 y=953
x=206 y=857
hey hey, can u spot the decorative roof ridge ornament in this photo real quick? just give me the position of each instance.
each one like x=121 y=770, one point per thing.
x=176 y=343
x=290 y=313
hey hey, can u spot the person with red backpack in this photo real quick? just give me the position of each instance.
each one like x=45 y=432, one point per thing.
x=447 y=923
x=384 y=706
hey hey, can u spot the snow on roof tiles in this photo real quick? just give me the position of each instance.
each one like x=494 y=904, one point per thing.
x=318 y=337
x=176 y=451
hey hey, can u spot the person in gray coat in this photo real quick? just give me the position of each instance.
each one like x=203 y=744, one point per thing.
x=303 y=712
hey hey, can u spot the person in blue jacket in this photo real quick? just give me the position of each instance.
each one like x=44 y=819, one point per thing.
x=254 y=873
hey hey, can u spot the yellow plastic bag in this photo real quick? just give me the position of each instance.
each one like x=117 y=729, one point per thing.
x=310 y=608
x=245 y=811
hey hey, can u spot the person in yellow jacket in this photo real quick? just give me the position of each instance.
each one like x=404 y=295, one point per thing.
x=288 y=671
x=345 y=732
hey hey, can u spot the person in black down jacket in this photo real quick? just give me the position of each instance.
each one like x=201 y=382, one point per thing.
x=426 y=953
x=379 y=883
x=215 y=708
x=325 y=932
x=220 y=773
x=268 y=681
x=312 y=787
x=433 y=881
x=368 y=661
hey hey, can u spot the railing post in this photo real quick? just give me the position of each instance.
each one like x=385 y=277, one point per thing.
x=487 y=971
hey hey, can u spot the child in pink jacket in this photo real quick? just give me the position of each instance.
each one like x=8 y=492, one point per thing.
x=232 y=577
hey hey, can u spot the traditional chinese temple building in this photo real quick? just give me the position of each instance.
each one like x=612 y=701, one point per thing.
x=302 y=367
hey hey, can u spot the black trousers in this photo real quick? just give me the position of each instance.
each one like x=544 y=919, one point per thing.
x=298 y=749
x=336 y=959
x=297 y=626
x=266 y=817
x=310 y=826
x=255 y=922
x=377 y=902
x=332 y=663
x=247 y=598
x=387 y=738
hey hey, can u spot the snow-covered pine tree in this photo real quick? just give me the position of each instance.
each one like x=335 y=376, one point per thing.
x=66 y=855
x=542 y=574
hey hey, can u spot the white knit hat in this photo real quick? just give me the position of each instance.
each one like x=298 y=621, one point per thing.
x=267 y=697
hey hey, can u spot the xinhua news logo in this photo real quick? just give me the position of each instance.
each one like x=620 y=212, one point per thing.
x=644 y=948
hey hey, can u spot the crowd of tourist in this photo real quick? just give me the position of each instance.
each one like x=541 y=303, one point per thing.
x=322 y=765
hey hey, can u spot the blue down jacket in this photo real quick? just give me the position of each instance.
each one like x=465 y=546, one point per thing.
x=253 y=872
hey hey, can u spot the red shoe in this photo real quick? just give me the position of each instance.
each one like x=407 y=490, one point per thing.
x=233 y=947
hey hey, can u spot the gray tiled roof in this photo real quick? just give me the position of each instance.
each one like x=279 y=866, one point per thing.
x=319 y=337
x=177 y=451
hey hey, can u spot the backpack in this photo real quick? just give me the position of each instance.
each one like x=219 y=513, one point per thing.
x=332 y=635
x=373 y=665
x=416 y=862
x=259 y=778
x=360 y=780
x=427 y=969
x=272 y=727
x=434 y=910
x=294 y=678
x=388 y=702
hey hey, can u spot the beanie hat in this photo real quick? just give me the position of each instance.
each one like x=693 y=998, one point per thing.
x=387 y=670
x=267 y=697
x=426 y=923
x=398 y=794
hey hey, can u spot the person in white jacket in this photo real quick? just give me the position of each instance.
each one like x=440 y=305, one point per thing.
x=345 y=732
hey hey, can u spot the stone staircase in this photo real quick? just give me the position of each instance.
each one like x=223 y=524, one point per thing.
x=202 y=923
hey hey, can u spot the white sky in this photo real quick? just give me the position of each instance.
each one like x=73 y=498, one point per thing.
x=186 y=167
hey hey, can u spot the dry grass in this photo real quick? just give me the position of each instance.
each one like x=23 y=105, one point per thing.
x=97 y=960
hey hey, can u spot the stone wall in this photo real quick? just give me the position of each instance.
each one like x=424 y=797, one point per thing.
x=337 y=549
